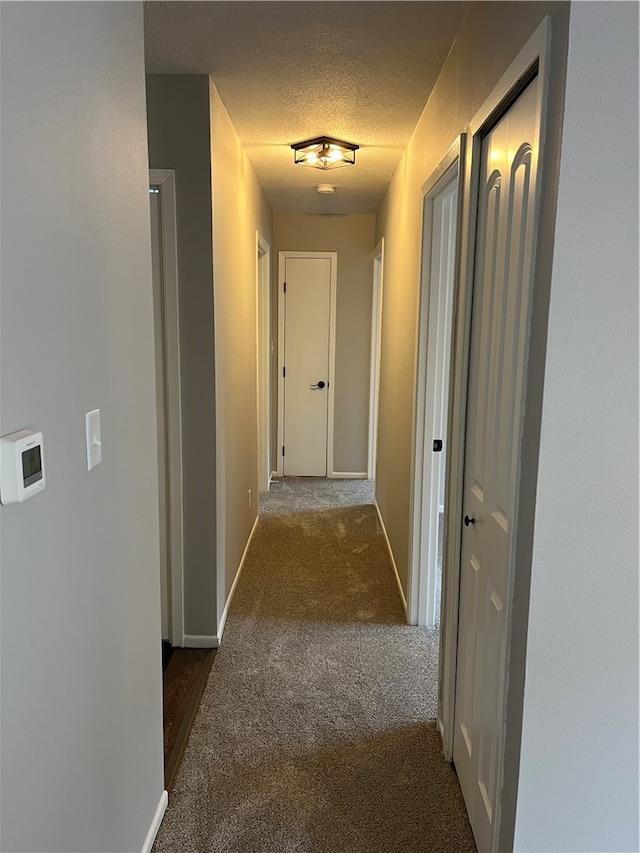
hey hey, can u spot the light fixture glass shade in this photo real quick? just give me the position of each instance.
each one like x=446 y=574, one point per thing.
x=324 y=153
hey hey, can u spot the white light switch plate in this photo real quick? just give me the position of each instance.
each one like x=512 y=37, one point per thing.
x=94 y=438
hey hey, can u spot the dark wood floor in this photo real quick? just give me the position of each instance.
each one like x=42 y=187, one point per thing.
x=184 y=677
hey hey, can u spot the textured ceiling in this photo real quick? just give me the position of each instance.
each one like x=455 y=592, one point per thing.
x=288 y=71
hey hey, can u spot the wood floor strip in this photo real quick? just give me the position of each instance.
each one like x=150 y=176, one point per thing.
x=184 y=682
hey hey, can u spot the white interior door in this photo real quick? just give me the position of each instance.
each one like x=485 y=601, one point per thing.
x=437 y=296
x=497 y=363
x=441 y=284
x=307 y=321
x=161 y=404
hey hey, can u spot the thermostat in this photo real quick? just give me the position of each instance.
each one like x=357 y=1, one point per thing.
x=21 y=466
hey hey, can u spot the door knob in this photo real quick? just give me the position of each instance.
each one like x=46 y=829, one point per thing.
x=318 y=385
x=468 y=521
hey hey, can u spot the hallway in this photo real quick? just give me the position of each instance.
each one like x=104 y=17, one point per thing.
x=317 y=730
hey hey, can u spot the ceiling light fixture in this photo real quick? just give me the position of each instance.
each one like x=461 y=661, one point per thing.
x=325 y=189
x=323 y=152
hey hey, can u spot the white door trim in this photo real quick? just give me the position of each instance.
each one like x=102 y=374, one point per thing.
x=376 y=343
x=534 y=55
x=282 y=257
x=165 y=179
x=263 y=355
x=448 y=170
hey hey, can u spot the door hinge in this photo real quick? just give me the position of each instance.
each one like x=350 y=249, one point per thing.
x=285 y=287
x=284 y=372
x=283 y=449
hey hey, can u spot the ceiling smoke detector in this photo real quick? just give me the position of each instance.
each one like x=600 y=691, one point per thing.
x=325 y=189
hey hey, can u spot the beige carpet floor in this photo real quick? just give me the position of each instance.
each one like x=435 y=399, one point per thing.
x=316 y=730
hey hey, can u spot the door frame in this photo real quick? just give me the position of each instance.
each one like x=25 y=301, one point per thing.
x=376 y=345
x=165 y=180
x=421 y=573
x=263 y=360
x=282 y=258
x=534 y=56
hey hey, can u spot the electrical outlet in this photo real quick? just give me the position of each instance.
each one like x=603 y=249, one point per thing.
x=249 y=498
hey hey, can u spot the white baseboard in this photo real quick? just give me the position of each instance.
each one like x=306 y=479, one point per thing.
x=225 y=612
x=200 y=641
x=393 y=562
x=348 y=475
x=155 y=823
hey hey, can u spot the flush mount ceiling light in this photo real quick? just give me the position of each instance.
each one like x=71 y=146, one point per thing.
x=323 y=152
x=325 y=189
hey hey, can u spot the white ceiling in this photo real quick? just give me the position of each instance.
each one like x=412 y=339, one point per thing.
x=288 y=71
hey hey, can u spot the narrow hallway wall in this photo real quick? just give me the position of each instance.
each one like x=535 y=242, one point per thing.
x=81 y=669
x=240 y=208
x=352 y=237
x=178 y=127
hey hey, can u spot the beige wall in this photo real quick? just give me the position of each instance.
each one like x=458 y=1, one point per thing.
x=240 y=208
x=489 y=39
x=581 y=688
x=178 y=128
x=353 y=238
x=81 y=671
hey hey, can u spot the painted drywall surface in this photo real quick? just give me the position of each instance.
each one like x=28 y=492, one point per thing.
x=240 y=209
x=178 y=118
x=578 y=787
x=489 y=39
x=352 y=237
x=81 y=671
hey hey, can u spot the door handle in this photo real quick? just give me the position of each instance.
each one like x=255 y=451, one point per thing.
x=468 y=521
x=318 y=386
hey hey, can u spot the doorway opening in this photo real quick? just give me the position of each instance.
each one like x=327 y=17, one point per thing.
x=442 y=197
x=376 y=340
x=263 y=350
x=164 y=244
x=184 y=671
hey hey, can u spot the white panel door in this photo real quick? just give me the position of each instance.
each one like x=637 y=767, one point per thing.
x=306 y=365
x=497 y=364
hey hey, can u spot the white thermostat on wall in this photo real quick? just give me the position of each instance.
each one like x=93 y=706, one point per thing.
x=21 y=466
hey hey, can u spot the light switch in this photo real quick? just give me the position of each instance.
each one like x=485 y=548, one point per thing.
x=94 y=438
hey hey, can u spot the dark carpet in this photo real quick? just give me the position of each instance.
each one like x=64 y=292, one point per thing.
x=316 y=731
